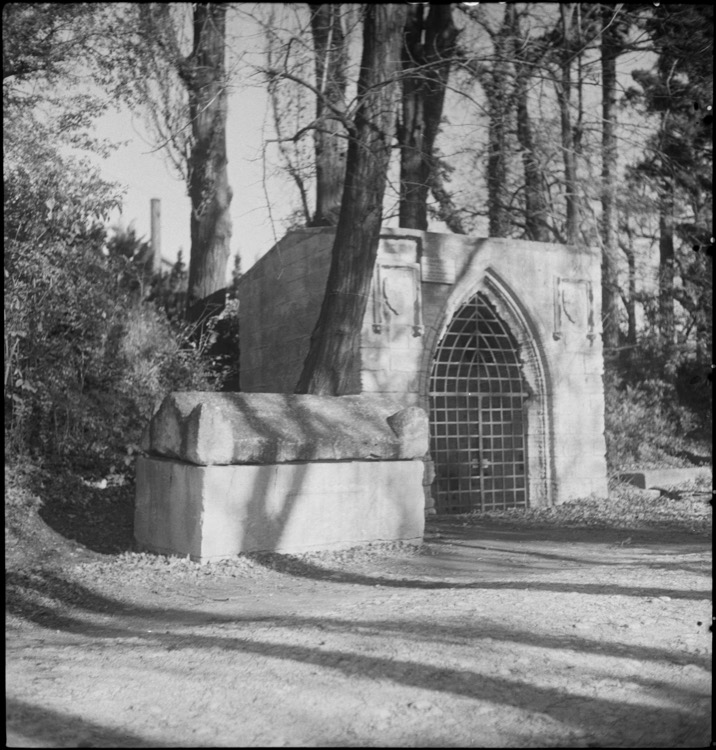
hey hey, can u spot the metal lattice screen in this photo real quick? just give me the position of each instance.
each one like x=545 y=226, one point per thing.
x=478 y=421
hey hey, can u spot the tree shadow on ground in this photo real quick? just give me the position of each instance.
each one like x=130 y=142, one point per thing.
x=41 y=597
x=296 y=566
x=51 y=601
x=666 y=714
x=44 y=725
x=100 y=519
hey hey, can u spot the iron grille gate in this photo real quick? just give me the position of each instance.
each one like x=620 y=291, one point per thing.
x=477 y=415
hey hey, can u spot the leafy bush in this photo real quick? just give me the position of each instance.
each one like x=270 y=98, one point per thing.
x=637 y=432
x=89 y=362
x=222 y=346
x=85 y=359
x=658 y=408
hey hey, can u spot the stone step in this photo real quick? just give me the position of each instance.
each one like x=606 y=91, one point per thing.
x=659 y=478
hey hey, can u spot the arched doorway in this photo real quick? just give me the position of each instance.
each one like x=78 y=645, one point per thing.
x=478 y=419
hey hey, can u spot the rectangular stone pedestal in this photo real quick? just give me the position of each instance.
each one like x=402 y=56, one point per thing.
x=215 y=512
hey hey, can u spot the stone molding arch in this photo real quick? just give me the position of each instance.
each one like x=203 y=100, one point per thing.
x=540 y=442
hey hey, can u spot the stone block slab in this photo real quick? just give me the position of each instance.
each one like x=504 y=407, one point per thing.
x=207 y=428
x=656 y=478
x=218 y=512
x=409 y=425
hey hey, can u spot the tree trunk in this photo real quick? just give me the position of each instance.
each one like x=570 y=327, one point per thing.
x=610 y=251
x=525 y=57
x=536 y=207
x=330 y=137
x=446 y=209
x=499 y=107
x=204 y=75
x=666 y=263
x=631 y=300
x=564 y=97
x=332 y=366
x=429 y=44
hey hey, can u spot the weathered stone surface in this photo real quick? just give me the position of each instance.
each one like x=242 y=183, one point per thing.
x=545 y=294
x=207 y=428
x=215 y=512
x=410 y=425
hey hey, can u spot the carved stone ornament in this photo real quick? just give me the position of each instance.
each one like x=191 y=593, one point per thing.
x=397 y=300
x=573 y=307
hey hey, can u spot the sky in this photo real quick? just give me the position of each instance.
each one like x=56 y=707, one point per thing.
x=146 y=173
x=264 y=197
x=262 y=200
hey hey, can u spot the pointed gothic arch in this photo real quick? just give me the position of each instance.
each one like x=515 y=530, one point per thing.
x=487 y=387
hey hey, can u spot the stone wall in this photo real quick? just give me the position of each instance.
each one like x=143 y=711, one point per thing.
x=550 y=297
x=548 y=294
x=226 y=473
x=217 y=512
x=280 y=298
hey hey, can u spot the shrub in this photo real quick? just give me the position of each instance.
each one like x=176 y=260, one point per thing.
x=222 y=346
x=637 y=430
x=85 y=359
x=658 y=408
x=89 y=361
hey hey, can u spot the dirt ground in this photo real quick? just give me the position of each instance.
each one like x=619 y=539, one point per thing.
x=490 y=635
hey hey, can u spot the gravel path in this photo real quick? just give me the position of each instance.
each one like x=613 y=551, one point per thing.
x=490 y=635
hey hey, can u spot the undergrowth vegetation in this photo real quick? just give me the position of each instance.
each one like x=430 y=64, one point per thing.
x=88 y=361
x=659 y=407
x=88 y=356
x=92 y=340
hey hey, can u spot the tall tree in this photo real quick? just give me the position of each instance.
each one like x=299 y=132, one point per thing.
x=564 y=85
x=288 y=104
x=612 y=42
x=630 y=298
x=204 y=75
x=497 y=82
x=678 y=160
x=507 y=69
x=428 y=49
x=329 y=134
x=536 y=205
x=333 y=359
x=182 y=93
